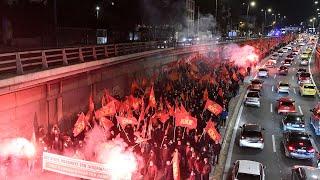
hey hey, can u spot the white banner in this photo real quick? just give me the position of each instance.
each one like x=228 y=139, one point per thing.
x=74 y=167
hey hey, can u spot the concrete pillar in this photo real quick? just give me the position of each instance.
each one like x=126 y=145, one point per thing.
x=106 y=54
x=81 y=58
x=19 y=64
x=44 y=60
x=64 y=57
x=94 y=52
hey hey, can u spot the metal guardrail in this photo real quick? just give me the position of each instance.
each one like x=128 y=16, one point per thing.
x=26 y=61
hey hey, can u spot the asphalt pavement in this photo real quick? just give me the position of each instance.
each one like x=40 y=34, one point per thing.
x=272 y=156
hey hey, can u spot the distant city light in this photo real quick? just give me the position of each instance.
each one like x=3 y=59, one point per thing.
x=252 y=3
x=316 y=2
x=269 y=10
x=97 y=8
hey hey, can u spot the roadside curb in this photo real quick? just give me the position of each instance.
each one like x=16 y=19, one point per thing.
x=219 y=168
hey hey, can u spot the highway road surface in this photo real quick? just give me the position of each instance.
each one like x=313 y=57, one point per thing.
x=272 y=156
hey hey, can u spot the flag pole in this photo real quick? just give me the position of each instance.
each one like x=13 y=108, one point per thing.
x=202 y=134
x=184 y=131
x=125 y=133
x=174 y=131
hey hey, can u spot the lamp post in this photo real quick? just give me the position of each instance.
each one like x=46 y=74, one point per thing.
x=269 y=10
x=97 y=10
x=252 y=4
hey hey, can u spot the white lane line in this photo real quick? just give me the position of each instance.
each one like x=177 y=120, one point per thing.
x=272 y=88
x=292 y=77
x=300 y=110
x=274 y=76
x=310 y=59
x=271 y=108
x=273 y=144
x=233 y=138
x=294 y=90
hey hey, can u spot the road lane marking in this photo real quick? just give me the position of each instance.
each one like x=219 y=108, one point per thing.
x=310 y=59
x=233 y=138
x=292 y=77
x=300 y=109
x=271 y=108
x=273 y=144
x=272 y=88
x=294 y=90
x=274 y=76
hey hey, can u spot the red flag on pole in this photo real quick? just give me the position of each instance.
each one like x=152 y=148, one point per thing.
x=205 y=95
x=152 y=99
x=79 y=125
x=106 y=123
x=108 y=110
x=176 y=166
x=213 y=107
x=220 y=92
x=212 y=131
x=185 y=120
x=134 y=102
x=163 y=116
x=123 y=121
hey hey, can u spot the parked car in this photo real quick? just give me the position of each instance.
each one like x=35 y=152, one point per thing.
x=252 y=99
x=293 y=122
x=245 y=170
x=286 y=105
x=298 y=145
x=283 y=87
x=251 y=136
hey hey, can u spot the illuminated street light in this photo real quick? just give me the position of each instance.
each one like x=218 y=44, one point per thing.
x=318 y=9
x=269 y=10
x=252 y=3
x=97 y=9
x=316 y=2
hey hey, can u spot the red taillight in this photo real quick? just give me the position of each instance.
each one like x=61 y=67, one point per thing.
x=291 y=148
x=301 y=143
x=311 y=150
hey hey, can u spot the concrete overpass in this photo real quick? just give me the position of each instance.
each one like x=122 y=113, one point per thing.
x=51 y=86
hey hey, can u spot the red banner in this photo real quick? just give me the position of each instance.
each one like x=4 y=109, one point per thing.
x=123 y=121
x=212 y=131
x=163 y=116
x=79 y=125
x=108 y=110
x=185 y=120
x=213 y=107
x=106 y=123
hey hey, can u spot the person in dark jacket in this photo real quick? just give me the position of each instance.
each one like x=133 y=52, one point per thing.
x=152 y=172
x=168 y=171
x=205 y=170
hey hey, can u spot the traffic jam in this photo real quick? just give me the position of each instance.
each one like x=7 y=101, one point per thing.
x=277 y=130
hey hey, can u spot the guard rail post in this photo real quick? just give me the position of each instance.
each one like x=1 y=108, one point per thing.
x=44 y=60
x=94 y=52
x=19 y=64
x=106 y=51
x=64 y=57
x=81 y=55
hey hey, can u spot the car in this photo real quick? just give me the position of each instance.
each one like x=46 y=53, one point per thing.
x=307 y=89
x=290 y=56
x=246 y=169
x=289 y=48
x=280 y=53
x=274 y=56
x=304 y=77
x=287 y=62
x=286 y=105
x=283 y=70
x=302 y=44
x=251 y=136
x=304 y=55
x=300 y=70
x=263 y=72
x=285 y=49
x=309 y=50
x=304 y=173
x=283 y=87
x=252 y=98
x=293 y=122
x=295 y=52
x=256 y=85
x=298 y=145
x=304 y=62
x=271 y=63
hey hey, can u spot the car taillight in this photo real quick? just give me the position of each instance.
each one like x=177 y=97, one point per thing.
x=311 y=150
x=291 y=148
x=261 y=139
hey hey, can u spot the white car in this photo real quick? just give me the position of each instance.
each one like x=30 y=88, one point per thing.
x=304 y=62
x=285 y=50
x=251 y=136
x=252 y=98
x=289 y=48
x=280 y=53
x=274 y=56
x=283 y=87
x=245 y=170
x=263 y=72
x=287 y=62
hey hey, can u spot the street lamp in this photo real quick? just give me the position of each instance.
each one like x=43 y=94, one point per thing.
x=316 y=2
x=97 y=10
x=318 y=9
x=252 y=4
x=269 y=10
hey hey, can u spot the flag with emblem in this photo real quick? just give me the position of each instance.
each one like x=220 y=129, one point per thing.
x=213 y=107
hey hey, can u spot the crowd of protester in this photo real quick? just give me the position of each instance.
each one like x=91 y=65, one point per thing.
x=186 y=83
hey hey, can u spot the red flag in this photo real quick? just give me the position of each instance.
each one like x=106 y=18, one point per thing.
x=142 y=114
x=91 y=104
x=108 y=110
x=212 y=131
x=220 y=92
x=123 y=121
x=106 y=123
x=205 y=95
x=79 y=125
x=235 y=77
x=163 y=116
x=134 y=102
x=242 y=71
x=213 y=107
x=176 y=166
x=185 y=120
x=183 y=109
x=103 y=101
x=152 y=99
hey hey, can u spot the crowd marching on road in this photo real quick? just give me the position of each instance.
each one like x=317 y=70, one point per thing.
x=278 y=139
